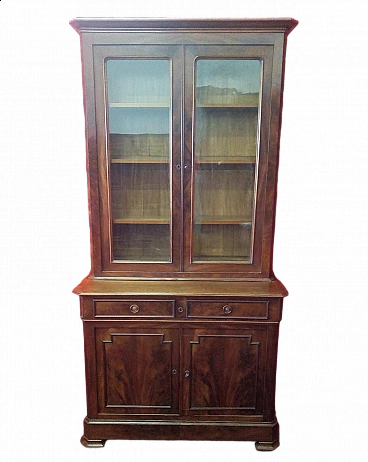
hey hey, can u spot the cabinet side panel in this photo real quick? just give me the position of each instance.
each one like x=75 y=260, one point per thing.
x=90 y=368
x=274 y=145
x=91 y=148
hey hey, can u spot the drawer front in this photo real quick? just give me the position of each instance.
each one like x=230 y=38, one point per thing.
x=133 y=308
x=224 y=309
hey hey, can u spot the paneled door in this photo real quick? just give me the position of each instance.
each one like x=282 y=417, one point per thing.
x=224 y=371
x=137 y=370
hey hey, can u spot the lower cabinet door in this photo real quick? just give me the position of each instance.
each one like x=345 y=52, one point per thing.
x=137 y=370
x=224 y=371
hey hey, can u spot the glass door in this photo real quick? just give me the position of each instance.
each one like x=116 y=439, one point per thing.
x=226 y=150
x=226 y=111
x=141 y=143
x=139 y=132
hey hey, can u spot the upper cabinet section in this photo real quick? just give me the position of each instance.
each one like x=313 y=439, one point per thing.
x=182 y=131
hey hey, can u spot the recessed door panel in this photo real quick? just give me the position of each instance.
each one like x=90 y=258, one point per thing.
x=225 y=371
x=137 y=371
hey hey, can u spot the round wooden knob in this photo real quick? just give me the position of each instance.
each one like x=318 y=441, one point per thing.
x=227 y=309
x=134 y=308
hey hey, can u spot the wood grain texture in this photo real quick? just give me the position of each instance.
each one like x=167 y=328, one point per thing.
x=133 y=308
x=95 y=286
x=226 y=371
x=135 y=371
x=232 y=310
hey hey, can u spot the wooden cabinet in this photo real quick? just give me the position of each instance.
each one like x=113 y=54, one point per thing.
x=181 y=309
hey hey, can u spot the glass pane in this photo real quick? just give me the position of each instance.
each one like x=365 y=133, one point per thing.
x=226 y=156
x=139 y=102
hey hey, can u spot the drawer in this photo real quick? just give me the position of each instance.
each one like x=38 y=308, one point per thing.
x=224 y=309
x=133 y=308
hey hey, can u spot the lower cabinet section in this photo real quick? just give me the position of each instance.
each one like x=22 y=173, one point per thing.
x=181 y=379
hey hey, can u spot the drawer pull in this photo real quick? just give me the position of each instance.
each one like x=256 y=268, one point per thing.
x=186 y=373
x=134 y=308
x=227 y=309
x=180 y=309
x=174 y=371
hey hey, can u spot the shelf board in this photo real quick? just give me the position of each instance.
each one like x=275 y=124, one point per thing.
x=199 y=160
x=228 y=105
x=141 y=221
x=138 y=105
x=142 y=160
x=221 y=259
x=225 y=220
x=226 y=160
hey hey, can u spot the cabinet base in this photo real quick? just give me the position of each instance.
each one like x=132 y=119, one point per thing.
x=97 y=431
x=92 y=443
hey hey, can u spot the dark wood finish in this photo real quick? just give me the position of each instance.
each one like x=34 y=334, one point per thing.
x=219 y=310
x=255 y=288
x=177 y=344
x=136 y=370
x=283 y=25
x=133 y=308
x=226 y=370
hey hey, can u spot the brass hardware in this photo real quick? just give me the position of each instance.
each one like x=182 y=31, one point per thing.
x=186 y=373
x=134 y=308
x=227 y=309
x=180 y=309
x=178 y=166
x=174 y=371
x=185 y=166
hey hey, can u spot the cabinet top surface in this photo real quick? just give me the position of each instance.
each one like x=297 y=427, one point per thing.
x=261 y=25
x=103 y=286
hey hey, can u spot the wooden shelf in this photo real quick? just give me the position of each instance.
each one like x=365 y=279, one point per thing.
x=221 y=259
x=138 y=105
x=142 y=160
x=199 y=160
x=228 y=105
x=141 y=221
x=226 y=160
x=225 y=220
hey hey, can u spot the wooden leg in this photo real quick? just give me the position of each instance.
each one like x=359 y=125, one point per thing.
x=92 y=443
x=264 y=446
